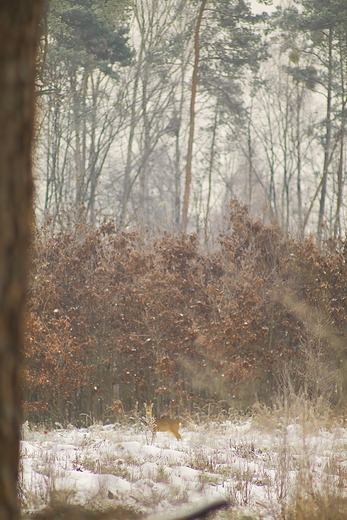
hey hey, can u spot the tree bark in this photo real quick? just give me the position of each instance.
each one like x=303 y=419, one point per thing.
x=19 y=23
x=210 y=172
x=327 y=141
x=340 y=175
x=192 y=118
x=298 y=159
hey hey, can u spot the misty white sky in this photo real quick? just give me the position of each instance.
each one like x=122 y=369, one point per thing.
x=259 y=7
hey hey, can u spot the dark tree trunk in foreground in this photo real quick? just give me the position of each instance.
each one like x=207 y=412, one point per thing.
x=19 y=22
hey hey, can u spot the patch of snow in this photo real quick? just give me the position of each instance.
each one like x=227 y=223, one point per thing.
x=112 y=465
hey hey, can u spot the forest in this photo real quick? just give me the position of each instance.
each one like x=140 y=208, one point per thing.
x=190 y=245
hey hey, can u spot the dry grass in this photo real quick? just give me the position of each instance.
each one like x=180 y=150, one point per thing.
x=285 y=469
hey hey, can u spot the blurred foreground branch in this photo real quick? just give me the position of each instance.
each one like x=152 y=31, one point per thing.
x=186 y=512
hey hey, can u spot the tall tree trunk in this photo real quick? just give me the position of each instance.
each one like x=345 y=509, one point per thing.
x=19 y=22
x=337 y=223
x=298 y=159
x=144 y=201
x=177 y=182
x=127 y=184
x=192 y=118
x=286 y=174
x=210 y=172
x=327 y=140
x=79 y=112
x=177 y=161
x=250 y=154
x=92 y=167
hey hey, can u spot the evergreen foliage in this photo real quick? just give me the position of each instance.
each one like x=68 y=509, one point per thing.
x=88 y=31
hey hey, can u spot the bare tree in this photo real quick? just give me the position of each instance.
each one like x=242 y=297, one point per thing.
x=156 y=96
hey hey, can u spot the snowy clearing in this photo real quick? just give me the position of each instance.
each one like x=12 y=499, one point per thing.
x=260 y=470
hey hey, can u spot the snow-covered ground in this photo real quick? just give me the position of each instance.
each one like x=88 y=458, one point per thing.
x=260 y=468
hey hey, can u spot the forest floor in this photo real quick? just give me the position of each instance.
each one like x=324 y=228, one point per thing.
x=266 y=466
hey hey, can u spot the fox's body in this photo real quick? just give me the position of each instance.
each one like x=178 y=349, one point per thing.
x=164 y=424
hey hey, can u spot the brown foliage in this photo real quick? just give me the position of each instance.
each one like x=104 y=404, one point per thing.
x=131 y=318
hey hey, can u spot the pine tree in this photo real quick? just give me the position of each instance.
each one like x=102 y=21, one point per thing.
x=324 y=24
